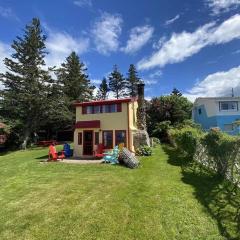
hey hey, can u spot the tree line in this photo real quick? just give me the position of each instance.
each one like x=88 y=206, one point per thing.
x=35 y=96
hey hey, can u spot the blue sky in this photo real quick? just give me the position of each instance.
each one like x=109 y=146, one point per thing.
x=193 y=45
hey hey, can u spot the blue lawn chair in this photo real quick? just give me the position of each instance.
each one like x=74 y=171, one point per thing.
x=112 y=157
x=67 y=150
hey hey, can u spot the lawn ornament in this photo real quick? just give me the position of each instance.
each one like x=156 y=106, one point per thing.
x=128 y=158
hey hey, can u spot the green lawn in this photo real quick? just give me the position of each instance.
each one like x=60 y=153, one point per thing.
x=65 y=201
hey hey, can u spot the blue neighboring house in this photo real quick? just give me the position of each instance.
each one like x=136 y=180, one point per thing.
x=217 y=112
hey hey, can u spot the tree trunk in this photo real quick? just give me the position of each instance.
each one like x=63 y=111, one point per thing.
x=26 y=139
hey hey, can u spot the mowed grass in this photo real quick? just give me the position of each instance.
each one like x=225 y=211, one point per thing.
x=66 y=201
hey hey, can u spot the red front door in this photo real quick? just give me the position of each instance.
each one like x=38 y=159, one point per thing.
x=87 y=142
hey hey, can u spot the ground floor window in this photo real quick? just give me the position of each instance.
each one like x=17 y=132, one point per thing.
x=96 y=138
x=228 y=127
x=80 y=138
x=108 y=139
x=120 y=137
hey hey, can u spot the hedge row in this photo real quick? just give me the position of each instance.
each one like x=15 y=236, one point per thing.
x=215 y=150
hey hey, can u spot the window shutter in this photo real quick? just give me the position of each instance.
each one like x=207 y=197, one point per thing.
x=84 y=110
x=119 y=107
x=80 y=138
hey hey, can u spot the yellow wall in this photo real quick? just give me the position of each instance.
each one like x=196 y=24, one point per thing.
x=108 y=121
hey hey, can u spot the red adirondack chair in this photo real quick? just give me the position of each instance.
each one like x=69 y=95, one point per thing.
x=53 y=154
x=99 y=151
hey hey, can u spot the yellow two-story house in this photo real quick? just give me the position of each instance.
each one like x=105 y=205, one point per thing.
x=109 y=122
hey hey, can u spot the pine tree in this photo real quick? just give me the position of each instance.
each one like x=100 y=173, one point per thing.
x=176 y=92
x=75 y=83
x=132 y=81
x=26 y=83
x=117 y=83
x=103 y=90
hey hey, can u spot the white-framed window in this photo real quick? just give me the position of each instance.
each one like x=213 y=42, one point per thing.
x=228 y=106
x=228 y=127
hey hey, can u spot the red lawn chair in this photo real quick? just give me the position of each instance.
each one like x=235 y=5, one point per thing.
x=99 y=151
x=53 y=154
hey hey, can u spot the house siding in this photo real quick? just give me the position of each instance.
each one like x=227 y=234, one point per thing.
x=211 y=116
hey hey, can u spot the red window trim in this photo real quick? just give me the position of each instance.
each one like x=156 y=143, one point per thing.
x=80 y=138
x=116 y=131
x=103 y=138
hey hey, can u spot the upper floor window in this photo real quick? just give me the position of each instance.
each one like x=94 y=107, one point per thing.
x=228 y=106
x=89 y=109
x=107 y=108
x=97 y=109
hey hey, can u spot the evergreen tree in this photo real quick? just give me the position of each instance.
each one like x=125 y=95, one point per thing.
x=73 y=79
x=103 y=90
x=176 y=92
x=132 y=81
x=117 y=83
x=26 y=83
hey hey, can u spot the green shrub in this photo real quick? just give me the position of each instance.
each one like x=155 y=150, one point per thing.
x=186 y=139
x=155 y=141
x=220 y=147
x=188 y=123
x=161 y=131
x=144 y=151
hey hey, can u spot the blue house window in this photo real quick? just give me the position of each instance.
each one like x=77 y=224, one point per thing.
x=228 y=127
x=228 y=106
x=199 y=111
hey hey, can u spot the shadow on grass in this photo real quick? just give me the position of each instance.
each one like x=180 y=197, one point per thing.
x=219 y=197
x=42 y=157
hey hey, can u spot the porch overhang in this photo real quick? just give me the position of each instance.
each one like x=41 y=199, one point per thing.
x=88 y=124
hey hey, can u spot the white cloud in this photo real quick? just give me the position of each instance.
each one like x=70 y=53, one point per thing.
x=83 y=3
x=8 y=13
x=236 y=52
x=185 y=44
x=218 y=6
x=156 y=74
x=150 y=81
x=106 y=32
x=157 y=45
x=96 y=81
x=217 y=84
x=172 y=20
x=61 y=44
x=148 y=98
x=139 y=36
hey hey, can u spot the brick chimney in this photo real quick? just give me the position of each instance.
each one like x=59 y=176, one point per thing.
x=141 y=115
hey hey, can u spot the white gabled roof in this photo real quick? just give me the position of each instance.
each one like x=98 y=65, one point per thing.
x=217 y=99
